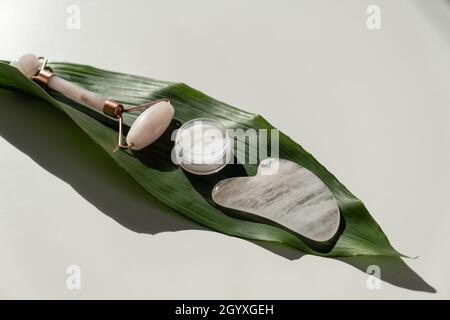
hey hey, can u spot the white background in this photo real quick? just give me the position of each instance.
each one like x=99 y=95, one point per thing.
x=372 y=105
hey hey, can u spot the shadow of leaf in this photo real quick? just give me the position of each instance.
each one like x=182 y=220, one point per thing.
x=57 y=144
x=393 y=269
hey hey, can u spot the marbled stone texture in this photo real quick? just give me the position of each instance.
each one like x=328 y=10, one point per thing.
x=286 y=193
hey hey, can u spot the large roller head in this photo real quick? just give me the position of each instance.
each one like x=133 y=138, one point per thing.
x=28 y=64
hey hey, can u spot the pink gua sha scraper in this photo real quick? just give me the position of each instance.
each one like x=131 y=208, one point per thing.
x=148 y=126
x=286 y=193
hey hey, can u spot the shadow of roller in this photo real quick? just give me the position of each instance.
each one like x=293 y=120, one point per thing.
x=29 y=123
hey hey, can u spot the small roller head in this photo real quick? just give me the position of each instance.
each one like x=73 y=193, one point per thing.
x=28 y=64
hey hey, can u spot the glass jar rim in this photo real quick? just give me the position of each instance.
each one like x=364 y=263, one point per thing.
x=195 y=162
x=189 y=152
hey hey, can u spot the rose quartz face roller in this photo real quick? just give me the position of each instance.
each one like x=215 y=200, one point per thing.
x=148 y=127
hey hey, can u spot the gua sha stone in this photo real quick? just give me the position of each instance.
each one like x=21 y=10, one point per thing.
x=286 y=193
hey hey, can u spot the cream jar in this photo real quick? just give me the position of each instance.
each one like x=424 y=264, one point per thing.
x=202 y=146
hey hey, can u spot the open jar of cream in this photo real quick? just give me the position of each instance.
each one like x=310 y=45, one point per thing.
x=202 y=146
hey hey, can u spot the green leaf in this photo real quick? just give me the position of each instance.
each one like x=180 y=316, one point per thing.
x=169 y=184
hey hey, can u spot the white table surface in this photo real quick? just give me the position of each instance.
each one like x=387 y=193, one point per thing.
x=373 y=106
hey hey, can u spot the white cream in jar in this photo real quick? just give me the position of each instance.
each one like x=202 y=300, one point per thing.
x=202 y=146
